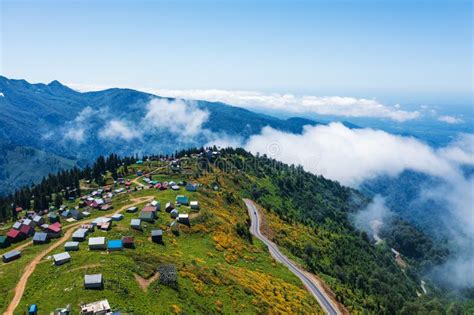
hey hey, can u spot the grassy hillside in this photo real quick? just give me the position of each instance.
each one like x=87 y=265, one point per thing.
x=219 y=267
x=309 y=216
x=218 y=271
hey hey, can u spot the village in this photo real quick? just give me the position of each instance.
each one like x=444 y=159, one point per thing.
x=91 y=217
x=162 y=237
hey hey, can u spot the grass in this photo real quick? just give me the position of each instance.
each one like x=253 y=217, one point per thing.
x=10 y=274
x=218 y=272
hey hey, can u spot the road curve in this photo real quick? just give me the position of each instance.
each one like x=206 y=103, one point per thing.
x=312 y=286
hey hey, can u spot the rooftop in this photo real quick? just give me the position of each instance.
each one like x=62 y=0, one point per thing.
x=112 y=244
x=91 y=279
x=96 y=307
x=40 y=236
x=97 y=240
x=156 y=232
x=135 y=222
x=61 y=256
x=12 y=253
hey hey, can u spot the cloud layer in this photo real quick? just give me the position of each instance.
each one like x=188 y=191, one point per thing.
x=75 y=130
x=373 y=217
x=321 y=105
x=450 y=119
x=119 y=129
x=178 y=116
x=352 y=156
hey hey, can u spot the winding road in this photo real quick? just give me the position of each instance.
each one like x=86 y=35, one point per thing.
x=310 y=283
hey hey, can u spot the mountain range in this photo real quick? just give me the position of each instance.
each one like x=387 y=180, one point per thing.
x=48 y=127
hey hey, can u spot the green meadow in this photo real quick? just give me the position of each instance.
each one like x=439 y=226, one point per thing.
x=217 y=270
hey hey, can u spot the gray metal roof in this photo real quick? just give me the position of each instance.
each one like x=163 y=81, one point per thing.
x=93 y=279
x=12 y=253
x=97 y=241
x=71 y=244
x=80 y=233
x=40 y=236
x=156 y=232
x=62 y=256
x=135 y=222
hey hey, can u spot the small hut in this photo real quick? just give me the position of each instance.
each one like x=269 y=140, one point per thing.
x=62 y=258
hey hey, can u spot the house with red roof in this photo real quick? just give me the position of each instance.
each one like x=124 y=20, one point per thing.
x=14 y=236
x=27 y=231
x=54 y=230
x=149 y=208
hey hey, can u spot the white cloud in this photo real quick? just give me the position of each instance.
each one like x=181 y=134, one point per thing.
x=322 y=105
x=75 y=134
x=460 y=151
x=373 y=217
x=450 y=119
x=350 y=156
x=222 y=140
x=75 y=130
x=287 y=102
x=119 y=129
x=2 y=95
x=179 y=117
x=85 y=114
x=47 y=135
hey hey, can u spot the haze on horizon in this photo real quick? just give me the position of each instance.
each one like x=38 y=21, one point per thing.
x=395 y=51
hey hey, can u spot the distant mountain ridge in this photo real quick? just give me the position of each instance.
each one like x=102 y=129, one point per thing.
x=36 y=116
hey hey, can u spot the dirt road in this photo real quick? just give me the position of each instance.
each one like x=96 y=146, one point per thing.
x=136 y=180
x=21 y=285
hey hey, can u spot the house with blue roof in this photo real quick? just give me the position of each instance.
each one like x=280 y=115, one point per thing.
x=182 y=200
x=14 y=254
x=40 y=238
x=114 y=245
x=33 y=309
x=191 y=187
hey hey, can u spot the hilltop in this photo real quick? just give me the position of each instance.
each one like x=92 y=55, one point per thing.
x=214 y=262
x=58 y=127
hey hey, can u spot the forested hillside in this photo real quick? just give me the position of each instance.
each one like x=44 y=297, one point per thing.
x=307 y=215
x=65 y=127
x=315 y=226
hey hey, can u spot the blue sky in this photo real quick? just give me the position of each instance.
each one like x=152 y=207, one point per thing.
x=398 y=51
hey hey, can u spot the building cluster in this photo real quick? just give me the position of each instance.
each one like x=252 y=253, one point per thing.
x=47 y=225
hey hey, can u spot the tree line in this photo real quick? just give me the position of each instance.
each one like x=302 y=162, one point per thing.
x=55 y=188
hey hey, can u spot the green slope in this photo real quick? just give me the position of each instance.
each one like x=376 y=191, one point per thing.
x=22 y=166
x=220 y=269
